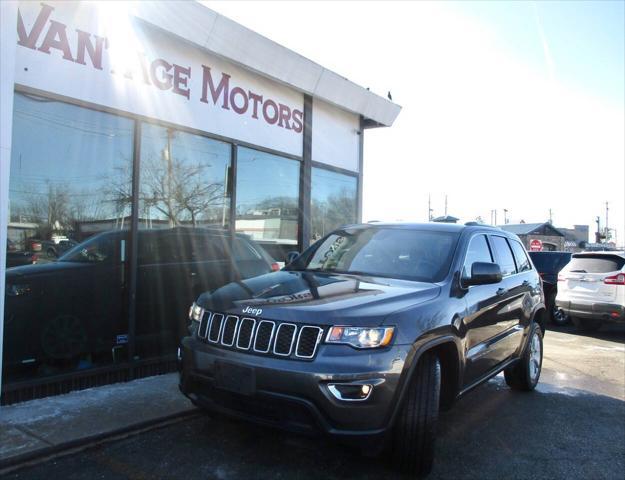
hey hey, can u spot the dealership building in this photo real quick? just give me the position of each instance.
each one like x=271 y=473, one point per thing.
x=152 y=116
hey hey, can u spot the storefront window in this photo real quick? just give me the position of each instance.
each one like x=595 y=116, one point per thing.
x=182 y=244
x=67 y=262
x=267 y=200
x=333 y=201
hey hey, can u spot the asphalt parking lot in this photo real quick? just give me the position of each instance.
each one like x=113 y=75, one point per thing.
x=573 y=426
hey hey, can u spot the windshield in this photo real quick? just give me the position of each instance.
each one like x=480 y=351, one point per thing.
x=97 y=249
x=387 y=252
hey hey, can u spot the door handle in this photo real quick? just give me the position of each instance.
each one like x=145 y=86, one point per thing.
x=502 y=291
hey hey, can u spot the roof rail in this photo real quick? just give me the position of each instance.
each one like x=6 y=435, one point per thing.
x=480 y=224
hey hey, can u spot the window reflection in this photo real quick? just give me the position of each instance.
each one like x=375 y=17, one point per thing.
x=70 y=174
x=267 y=200
x=182 y=244
x=333 y=201
x=183 y=179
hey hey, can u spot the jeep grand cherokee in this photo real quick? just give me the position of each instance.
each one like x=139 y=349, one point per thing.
x=369 y=331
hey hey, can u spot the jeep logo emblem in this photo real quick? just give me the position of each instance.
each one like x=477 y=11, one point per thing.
x=253 y=311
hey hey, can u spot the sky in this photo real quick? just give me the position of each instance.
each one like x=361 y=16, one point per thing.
x=505 y=105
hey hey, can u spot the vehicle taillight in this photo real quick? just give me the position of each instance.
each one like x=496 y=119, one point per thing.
x=618 y=279
x=34 y=259
x=275 y=266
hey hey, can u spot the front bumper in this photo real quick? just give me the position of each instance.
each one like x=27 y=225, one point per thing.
x=607 y=312
x=294 y=394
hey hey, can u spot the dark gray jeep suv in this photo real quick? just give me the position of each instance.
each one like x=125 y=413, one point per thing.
x=368 y=332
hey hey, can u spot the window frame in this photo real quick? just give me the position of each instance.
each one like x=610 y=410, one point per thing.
x=466 y=251
x=516 y=272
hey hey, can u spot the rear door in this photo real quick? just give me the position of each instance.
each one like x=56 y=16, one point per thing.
x=583 y=278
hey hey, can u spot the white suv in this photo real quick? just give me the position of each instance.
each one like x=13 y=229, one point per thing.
x=591 y=289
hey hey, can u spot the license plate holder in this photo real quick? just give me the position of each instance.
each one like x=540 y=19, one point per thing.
x=235 y=378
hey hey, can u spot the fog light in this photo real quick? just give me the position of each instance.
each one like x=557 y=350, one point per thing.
x=350 y=392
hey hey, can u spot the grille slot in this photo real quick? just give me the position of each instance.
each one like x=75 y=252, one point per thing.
x=214 y=330
x=285 y=337
x=204 y=322
x=244 y=337
x=264 y=335
x=307 y=341
x=229 y=330
x=260 y=336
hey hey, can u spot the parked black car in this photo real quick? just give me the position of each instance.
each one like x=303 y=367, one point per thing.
x=367 y=332
x=16 y=257
x=78 y=305
x=549 y=265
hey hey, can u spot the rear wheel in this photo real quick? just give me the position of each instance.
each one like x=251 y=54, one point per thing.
x=586 y=324
x=415 y=428
x=525 y=374
x=558 y=317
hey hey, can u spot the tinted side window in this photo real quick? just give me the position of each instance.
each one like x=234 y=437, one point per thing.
x=160 y=247
x=205 y=248
x=478 y=251
x=504 y=255
x=520 y=255
x=244 y=251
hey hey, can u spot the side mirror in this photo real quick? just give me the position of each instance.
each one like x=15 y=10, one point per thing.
x=483 y=273
x=291 y=256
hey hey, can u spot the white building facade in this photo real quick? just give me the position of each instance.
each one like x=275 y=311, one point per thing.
x=124 y=116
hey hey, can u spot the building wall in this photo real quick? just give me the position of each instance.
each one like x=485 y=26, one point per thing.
x=555 y=240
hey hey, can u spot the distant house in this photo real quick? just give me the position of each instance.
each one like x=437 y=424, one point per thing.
x=576 y=238
x=550 y=237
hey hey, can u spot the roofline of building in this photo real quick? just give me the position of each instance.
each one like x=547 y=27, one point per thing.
x=217 y=34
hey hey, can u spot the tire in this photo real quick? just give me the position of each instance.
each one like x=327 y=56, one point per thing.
x=557 y=315
x=586 y=324
x=51 y=253
x=525 y=374
x=415 y=427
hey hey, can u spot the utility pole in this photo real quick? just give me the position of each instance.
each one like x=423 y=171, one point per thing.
x=445 y=204
x=598 y=233
x=505 y=216
x=607 y=230
x=550 y=218
x=429 y=207
x=495 y=216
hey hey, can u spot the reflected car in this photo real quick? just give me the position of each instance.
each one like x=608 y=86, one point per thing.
x=77 y=307
x=15 y=257
x=54 y=249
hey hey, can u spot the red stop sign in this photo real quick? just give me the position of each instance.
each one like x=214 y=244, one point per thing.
x=536 y=246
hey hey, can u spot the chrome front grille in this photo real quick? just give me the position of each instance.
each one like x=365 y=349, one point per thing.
x=260 y=336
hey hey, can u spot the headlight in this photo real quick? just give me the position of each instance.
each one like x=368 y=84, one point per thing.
x=196 y=312
x=361 y=337
x=13 y=290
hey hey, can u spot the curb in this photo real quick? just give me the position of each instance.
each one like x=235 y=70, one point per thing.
x=73 y=446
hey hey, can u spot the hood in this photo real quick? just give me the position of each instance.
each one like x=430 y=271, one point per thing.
x=29 y=271
x=318 y=298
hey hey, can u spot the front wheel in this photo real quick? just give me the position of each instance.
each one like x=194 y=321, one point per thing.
x=415 y=428
x=525 y=374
